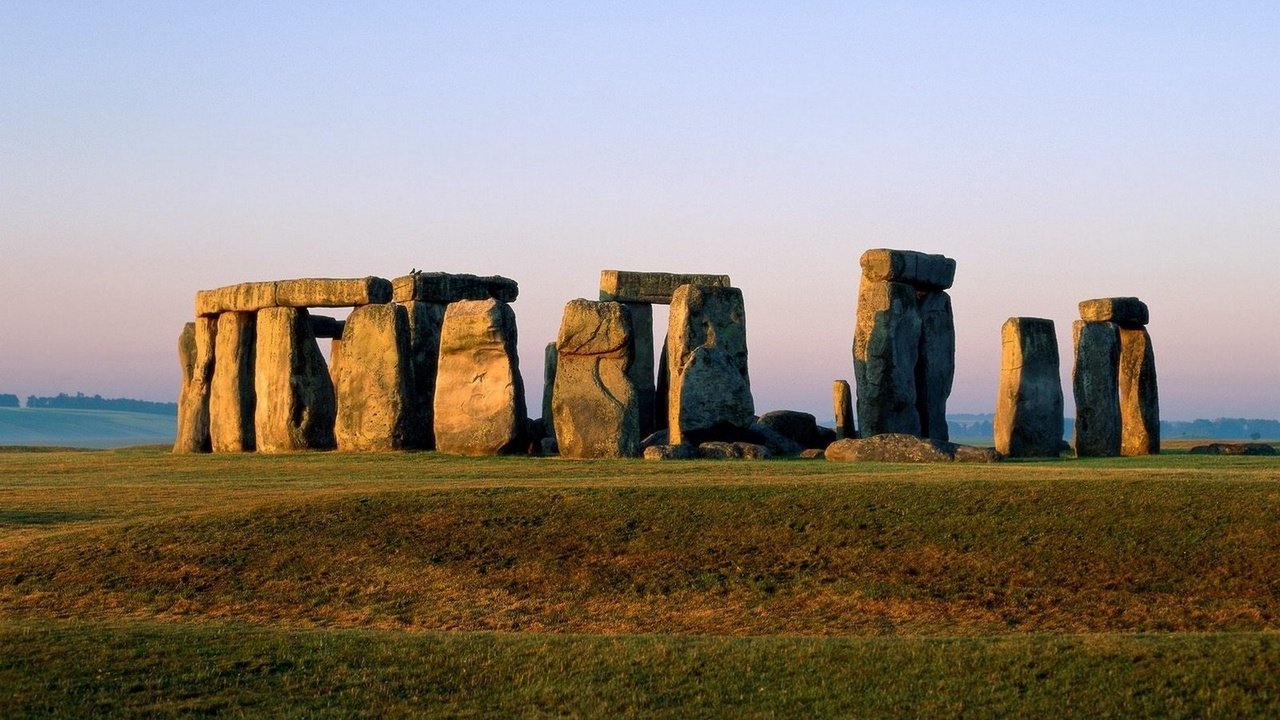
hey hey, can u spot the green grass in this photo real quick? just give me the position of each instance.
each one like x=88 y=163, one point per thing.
x=333 y=583
x=83 y=428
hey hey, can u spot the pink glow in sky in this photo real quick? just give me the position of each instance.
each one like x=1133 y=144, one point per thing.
x=1057 y=152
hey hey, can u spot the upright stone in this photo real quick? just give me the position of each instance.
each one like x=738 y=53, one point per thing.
x=295 y=401
x=196 y=357
x=886 y=347
x=842 y=400
x=425 y=322
x=936 y=363
x=373 y=383
x=662 y=390
x=231 y=399
x=1139 y=397
x=641 y=371
x=1028 y=420
x=550 y=360
x=479 y=402
x=596 y=405
x=1096 y=387
x=710 y=393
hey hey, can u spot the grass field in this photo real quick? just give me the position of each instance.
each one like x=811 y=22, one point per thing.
x=83 y=428
x=137 y=582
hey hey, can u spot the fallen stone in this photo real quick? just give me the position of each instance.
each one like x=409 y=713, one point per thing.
x=814 y=454
x=445 y=288
x=842 y=400
x=826 y=436
x=657 y=437
x=295 y=406
x=196 y=347
x=1127 y=312
x=231 y=397
x=1096 y=385
x=886 y=347
x=300 y=293
x=935 y=363
x=1139 y=396
x=719 y=450
x=800 y=427
x=1028 y=421
x=897 y=447
x=682 y=451
x=479 y=399
x=373 y=384
x=425 y=321
x=710 y=393
x=1233 y=449
x=595 y=406
x=651 y=287
x=777 y=443
x=920 y=270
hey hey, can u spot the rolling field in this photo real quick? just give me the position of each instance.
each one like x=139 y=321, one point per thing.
x=137 y=582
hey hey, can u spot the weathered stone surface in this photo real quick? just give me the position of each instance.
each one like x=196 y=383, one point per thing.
x=662 y=390
x=595 y=403
x=550 y=359
x=479 y=400
x=445 y=288
x=886 y=347
x=323 y=326
x=826 y=436
x=425 y=321
x=800 y=427
x=936 y=363
x=550 y=446
x=335 y=357
x=196 y=347
x=651 y=287
x=683 y=451
x=842 y=400
x=710 y=394
x=1234 y=449
x=1096 y=385
x=373 y=383
x=657 y=437
x=1028 y=420
x=898 y=447
x=1139 y=396
x=719 y=450
x=1124 y=311
x=295 y=405
x=300 y=293
x=920 y=270
x=777 y=443
x=231 y=398
x=641 y=371
x=814 y=454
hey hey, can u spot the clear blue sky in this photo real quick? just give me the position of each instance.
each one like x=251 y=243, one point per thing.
x=1058 y=151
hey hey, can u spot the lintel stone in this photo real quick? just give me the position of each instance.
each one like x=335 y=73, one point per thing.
x=439 y=287
x=299 y=293
x=650 y=287
x=1124 y=311
x=920 y=270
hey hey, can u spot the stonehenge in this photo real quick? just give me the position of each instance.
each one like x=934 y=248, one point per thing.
x=1028 y=421
x=429 y=361
x=904 y=343
x=1114 y=380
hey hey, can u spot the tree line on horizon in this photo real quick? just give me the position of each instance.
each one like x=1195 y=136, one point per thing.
x=80 y=401
x=979 y=425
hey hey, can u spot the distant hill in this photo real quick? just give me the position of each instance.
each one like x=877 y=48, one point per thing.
x=80 y=401
x=975 y=426
x=83 y=428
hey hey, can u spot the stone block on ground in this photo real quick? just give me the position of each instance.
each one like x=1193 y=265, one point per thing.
x=1139 y=395
x=719 y=450
x=295 y=405
x=901 y=448
x=777 y=443
x=444 y=288
x=373 y=385
x=595 y=406
x=682 y=451
x=920 y=270
x=196 y=348
x=800 y=427
x=1028 y=419
x=1127 y=312
x=479 y=398
x=710 y=388
x=1233 y=449
x=1095 y=384
x=232 y=397
x=651 y=287
x=842 y=400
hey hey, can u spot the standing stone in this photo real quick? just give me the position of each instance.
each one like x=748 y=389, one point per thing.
x=842 y=399
x=936 y=363
x=710 y=394
x=295 y=402
x=335 y=358
x=373 y=383
x=1139 y=398
x=595 y=403
x=425 y=321
x=886 y=347
x=1028 y=420
x=196 y=356
x=641 y=371
x=1096 y=387
x=479 y=401
x=662 y=390
x=550 y=360
x=231 y=399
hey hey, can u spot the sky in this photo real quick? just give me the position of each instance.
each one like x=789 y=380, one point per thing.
x=1057 y=151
